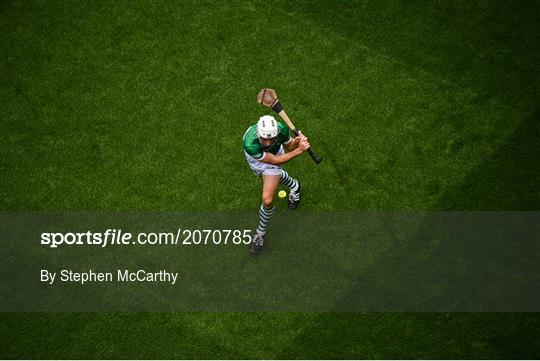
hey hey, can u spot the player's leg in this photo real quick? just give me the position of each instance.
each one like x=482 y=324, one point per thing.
x=293 y=185
x=267 y=208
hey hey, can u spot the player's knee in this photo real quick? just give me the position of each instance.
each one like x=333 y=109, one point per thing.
x=267 y=200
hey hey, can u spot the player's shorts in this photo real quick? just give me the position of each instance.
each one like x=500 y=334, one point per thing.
x=259 y=168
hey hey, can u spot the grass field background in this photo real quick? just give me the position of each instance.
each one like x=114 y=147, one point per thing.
x=140 y=106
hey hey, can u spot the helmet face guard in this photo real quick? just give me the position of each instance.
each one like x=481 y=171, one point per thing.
x=261 y=140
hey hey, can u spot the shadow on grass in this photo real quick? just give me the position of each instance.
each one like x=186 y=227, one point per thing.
x=507 y=180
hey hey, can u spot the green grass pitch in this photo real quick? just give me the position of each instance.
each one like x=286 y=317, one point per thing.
x=141 y=106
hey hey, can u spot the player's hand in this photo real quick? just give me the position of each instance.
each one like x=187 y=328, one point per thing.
x=301 y=136
x=303 y=145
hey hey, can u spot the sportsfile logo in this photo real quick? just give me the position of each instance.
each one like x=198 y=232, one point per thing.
x=110 y=236
x=118 y=237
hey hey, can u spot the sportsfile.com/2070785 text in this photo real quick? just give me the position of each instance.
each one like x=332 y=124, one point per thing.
x=184 y=237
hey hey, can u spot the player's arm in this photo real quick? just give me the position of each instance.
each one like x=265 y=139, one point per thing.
x=278 y=159
x=281 y=158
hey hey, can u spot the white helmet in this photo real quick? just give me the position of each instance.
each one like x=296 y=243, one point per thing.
x=267 y=127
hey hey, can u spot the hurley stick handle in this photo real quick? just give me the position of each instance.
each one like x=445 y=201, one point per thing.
x=296 y=132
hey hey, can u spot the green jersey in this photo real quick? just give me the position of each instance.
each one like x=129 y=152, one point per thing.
x=254 y=148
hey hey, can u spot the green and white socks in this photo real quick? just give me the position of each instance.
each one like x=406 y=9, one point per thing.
x=290 y=182
x=264 y=217
x=265 y=214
